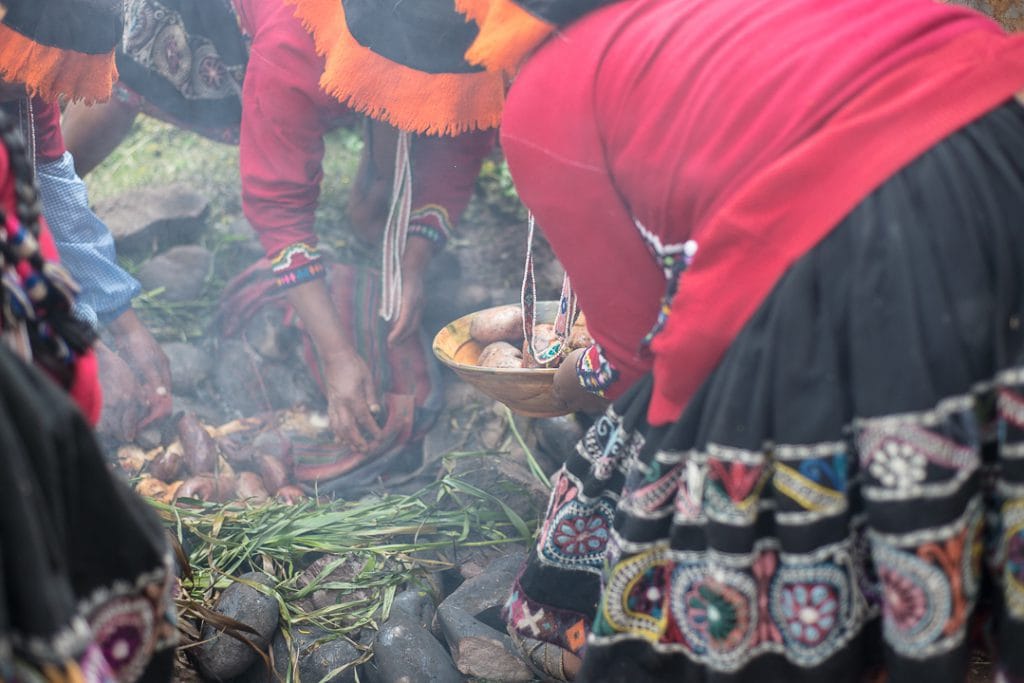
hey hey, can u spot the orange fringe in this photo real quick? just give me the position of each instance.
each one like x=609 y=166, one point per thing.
x=508 y=33
x=411 y=100
x=52 y=72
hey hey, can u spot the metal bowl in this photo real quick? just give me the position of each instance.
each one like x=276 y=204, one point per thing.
x=527 y=391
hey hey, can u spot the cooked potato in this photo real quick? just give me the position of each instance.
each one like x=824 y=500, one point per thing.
x=151 y=487
x=500 y=324
x=200 y=487
x=131 y=459
x=500 y=355
x=249 y=487
x=290 y=495
x=167 y=465
x=580 y=337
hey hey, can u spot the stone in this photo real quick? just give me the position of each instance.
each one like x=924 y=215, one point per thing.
x=236 y=377
x=490 y=588
x=221 y=657
x=406 y=652
x=556 y=440
x=291 y=386
x=470 y=621
x=506 y=479
x=473 y=562
x=148 y=220
x=149 y=438
x=190 y=366
x=180 y=271
x=318 y=653
x=318 y=661
x=417 y=604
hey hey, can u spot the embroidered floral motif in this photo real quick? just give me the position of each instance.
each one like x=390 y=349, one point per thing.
x=716 y=611
x=810 y=612
x=917 y=600
x=578 y=535
x=897 y=465
x=813 y=608
x=689 y=498
x=733 y=490
x=636 y=597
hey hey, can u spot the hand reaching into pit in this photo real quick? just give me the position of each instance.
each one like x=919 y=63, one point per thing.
x=139 y=349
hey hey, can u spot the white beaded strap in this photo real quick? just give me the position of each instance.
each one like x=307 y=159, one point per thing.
x=395 y=232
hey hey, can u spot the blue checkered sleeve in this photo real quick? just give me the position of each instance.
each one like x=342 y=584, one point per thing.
x=84 y=243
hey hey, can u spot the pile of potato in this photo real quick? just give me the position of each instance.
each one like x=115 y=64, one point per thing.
x=500 y=330
x=243 y=460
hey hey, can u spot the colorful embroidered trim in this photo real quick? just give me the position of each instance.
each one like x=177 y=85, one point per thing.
x=594 y=371
x=294 y=256
x=427 y=232
x=673 y=259
x=432 y=216
x=306 y=273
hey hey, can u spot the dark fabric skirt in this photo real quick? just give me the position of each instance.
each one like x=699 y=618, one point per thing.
x=846 y=491
x=85 y=577
x=183 y=61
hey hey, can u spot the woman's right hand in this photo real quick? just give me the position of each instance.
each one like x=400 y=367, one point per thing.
x=351 y=394
x=352 y=404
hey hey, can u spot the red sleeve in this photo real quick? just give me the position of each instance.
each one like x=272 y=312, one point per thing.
x=444 y=172
x=49 y=139
x=284 y=118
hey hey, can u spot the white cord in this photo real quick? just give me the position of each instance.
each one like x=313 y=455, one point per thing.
x=395 y=232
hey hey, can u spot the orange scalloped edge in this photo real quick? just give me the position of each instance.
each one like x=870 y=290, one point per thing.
x=411 y=100
x=508 y=33
x=51 y=72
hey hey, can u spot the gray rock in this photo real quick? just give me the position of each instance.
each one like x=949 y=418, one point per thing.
x=152 y=219
x=417 y=604
x=489 y=589
x=556 y=440
x=406 y=652
x=290 y=385
x=181 y=271
x=222 y=657
x=149 y=438
x=190 y=366
x=467 y=618
x=237 y=380
x=510 y=481
x=317 y=653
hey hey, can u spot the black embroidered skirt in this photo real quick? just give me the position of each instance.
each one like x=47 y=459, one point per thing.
x=84 y=564
x=846 y=491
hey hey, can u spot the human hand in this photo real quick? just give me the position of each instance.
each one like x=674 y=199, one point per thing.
x=123 y=405
x=352 y=402
x=570 y=392
x=144 y=356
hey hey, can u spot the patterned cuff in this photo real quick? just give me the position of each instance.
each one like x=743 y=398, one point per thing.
x=431 y=222
x=594 y=371
x=296 y=264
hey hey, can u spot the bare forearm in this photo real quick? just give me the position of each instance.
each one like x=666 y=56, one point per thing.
x=312 y=302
